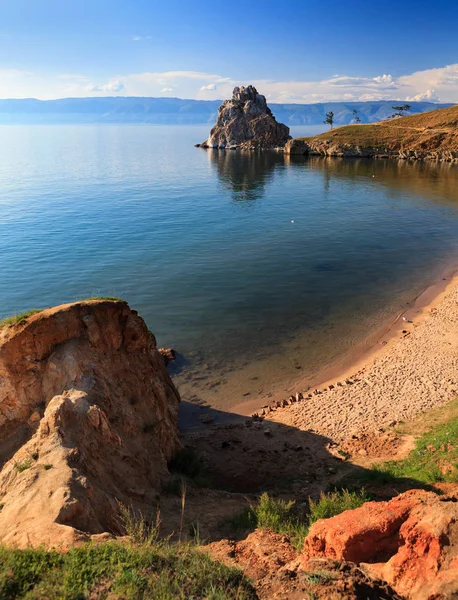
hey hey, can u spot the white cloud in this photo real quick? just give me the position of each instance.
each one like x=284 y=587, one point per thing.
x=114 y=85
x=428 y=96
x=439 y=83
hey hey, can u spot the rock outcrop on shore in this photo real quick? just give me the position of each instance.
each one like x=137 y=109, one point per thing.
x=319 y=147
x=427 y=136
x=88 y=418
x=245 y=121
x=409 y=542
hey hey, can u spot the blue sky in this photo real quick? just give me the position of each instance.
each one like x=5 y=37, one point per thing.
x=301 y=51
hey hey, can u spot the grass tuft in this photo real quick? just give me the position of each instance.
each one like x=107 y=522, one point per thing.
x=320 y=576
x=333 y=503
x=20 y=318
x=139 y=530
x=283 y=516
x=24 y=465
x=110 y=298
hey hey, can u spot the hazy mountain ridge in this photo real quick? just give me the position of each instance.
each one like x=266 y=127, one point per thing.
x=176 y=111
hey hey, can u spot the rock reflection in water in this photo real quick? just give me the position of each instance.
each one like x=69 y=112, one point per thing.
x=244 y=173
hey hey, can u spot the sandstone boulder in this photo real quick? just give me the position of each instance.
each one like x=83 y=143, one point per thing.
x=88 y=418
x=245 y=121
x=409 y=542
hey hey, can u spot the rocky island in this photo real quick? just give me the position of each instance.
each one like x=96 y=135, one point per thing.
x=245 y=121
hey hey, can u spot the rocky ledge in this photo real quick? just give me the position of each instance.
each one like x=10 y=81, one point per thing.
x=317 y=147
x=245 y=121
x=88 y=419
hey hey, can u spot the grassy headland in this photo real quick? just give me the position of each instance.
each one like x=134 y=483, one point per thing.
x=435 y=131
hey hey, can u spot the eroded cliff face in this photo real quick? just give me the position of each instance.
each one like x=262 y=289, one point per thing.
x=245 y=121
x=88 y=417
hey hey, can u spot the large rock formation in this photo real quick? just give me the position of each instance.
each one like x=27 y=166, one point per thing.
x=246 y=121
x=88 y=418
x=409 y=542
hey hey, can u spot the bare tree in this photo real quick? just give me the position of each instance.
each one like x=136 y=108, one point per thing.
x=356 y=118
x=329 y=118
x=400 y=110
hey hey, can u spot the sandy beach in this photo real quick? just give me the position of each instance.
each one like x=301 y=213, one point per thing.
x=412 y=369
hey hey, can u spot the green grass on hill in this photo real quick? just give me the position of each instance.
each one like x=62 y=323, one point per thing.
x=158 y=571
x=20 y=318
x=431 y=131
x=110 y=298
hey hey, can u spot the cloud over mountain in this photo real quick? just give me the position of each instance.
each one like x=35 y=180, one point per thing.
x=439 y=84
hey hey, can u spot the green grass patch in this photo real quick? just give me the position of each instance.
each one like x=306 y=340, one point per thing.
x=283 y=516
x=24 y=465
x=434 y=459
x=119 y=570
x=110 y=298
x=20 y=318
x=333 y=503
x=276 y=514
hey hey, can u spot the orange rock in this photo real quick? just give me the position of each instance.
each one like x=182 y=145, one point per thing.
x=407 y=542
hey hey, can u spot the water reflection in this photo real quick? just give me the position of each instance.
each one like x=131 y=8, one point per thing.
x=436 y=182
x=245 y=174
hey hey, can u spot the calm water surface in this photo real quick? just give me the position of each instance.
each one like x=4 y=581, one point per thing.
x=253 y=266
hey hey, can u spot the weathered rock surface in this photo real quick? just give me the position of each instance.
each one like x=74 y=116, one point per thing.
x=411 y=542
x=317 y=147
x=245 y=121
x=296 y=146
x=273 y=565
x=88 y=417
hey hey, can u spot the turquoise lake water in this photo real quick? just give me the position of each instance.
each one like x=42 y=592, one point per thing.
x=255 y=267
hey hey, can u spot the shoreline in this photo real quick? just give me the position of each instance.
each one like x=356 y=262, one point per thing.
x=412 y=369
x=378 y=342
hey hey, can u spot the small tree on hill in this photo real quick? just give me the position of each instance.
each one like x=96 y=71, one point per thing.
x=356 y=118
x=400 y=110
x=329 y=118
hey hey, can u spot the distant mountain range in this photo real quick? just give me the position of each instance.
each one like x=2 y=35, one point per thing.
x=175 y=111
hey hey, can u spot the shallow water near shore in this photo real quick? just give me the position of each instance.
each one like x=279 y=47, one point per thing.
x=259 y=269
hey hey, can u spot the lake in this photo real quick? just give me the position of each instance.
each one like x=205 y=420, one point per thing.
x=258 y=269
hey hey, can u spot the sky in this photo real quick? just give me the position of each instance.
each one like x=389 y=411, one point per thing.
x=293 y=51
